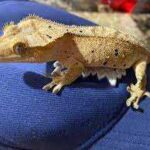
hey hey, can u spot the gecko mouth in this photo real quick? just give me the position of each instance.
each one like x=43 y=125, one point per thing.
x=15 y=58
x=9 y=58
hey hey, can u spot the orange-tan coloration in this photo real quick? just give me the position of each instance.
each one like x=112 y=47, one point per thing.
x=77 y=48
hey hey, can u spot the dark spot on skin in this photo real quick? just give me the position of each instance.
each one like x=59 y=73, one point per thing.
x=124 y=65
x=114 y=69
x=81 y=31
x=105 y=63
x=49 y=26
x=48 y=36
x=67 y=30
x=116 y=52
x=68 y=56
x=92 y=51
x=114 y=65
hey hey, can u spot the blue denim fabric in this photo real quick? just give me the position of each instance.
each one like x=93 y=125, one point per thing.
x=89 y=114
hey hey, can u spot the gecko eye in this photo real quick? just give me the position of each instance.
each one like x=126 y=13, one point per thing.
x=19 y=48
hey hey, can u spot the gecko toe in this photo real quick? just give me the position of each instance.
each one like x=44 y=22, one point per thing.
x=136 y=106
x=147 y=94
x=57 y=88
x=48 y=86
x=130 y=101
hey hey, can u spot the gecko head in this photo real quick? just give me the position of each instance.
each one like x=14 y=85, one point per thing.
x=14 y=50
x=14 y=46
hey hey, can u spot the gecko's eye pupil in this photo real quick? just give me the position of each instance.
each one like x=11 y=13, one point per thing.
x=20 y=48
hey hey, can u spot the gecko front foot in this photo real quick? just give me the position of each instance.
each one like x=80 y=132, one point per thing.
x=136 y=94
x=58 y=70
x=56 y=84
x=66 y=77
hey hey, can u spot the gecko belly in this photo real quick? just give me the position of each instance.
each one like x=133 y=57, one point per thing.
x=111 y=74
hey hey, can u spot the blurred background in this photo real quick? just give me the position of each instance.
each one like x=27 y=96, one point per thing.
x=132 y=16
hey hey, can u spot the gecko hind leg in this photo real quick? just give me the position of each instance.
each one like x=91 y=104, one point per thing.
x=74 y=70
x=138 y=90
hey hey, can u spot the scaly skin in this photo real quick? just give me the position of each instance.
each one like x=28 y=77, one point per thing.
x=76 y=48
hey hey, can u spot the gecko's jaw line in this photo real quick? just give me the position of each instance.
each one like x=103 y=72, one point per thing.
x=9 y=58
x=17 y=59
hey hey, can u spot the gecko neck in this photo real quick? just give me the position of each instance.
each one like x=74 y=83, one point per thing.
x=58 y=50
x=51 y=52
